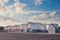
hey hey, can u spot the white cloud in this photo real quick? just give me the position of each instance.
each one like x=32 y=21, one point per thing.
x=38 y=2
x=8 y=22
x=2 y=6
x=17 y=7
x=20 y=8
x=6 y=13
x=12 y=9
x=3 y=1
x=52 y=14
x=2 y=10
x=46 y=18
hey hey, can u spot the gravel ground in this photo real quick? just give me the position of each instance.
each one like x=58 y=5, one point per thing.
x=25 y=36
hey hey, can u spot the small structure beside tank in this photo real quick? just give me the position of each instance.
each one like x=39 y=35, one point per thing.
x=52 y=28
x=1 y=29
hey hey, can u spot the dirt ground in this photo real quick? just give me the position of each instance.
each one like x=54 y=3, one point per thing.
x=22 y=36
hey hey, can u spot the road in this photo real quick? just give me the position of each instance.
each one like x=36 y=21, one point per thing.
x=28 y=36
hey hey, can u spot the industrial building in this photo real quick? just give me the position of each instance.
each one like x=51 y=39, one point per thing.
x=32 y=27
x=24 y=27
x=13 y=28
x=39 y=27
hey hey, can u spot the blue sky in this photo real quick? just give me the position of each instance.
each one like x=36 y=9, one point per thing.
x=47 y=5
x=23 y=11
